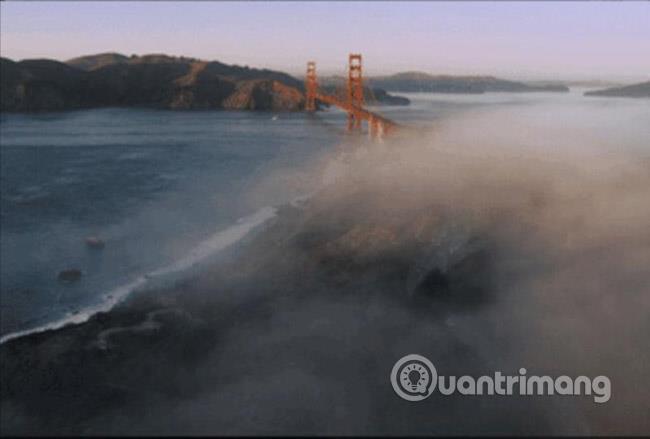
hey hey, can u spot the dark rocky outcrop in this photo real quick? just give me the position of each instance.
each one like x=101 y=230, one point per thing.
x=94 y=242
x=641 y=90
x=70 y=275
x=157 y=81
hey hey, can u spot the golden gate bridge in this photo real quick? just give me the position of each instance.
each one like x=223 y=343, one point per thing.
x=353 y=105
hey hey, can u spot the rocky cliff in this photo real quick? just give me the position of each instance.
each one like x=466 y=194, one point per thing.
x=157 y=81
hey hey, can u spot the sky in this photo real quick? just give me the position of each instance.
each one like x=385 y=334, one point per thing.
x=552 y=40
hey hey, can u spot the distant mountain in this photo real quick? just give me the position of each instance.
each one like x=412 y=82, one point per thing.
x=593 y=83
x=371 y=95
x=379 y=96
x=159 y=81
x=641 y=90
x=424 y=82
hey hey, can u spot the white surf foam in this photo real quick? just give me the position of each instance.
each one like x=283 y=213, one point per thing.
x=213 y=245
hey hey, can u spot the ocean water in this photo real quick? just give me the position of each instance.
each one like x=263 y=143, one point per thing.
x=162 y=189
x=167 y=189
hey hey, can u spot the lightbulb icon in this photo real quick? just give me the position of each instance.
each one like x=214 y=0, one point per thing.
x=413 y=377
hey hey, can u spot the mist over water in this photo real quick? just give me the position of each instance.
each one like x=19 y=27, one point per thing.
x=507 y=236
x=561 y=199
x=498 y=232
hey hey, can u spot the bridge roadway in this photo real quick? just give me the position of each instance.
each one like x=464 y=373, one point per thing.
x=377 y=124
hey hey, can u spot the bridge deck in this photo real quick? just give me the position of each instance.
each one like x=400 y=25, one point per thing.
x=359 y=112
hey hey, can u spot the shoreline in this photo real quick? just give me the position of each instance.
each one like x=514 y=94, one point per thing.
x=216 y=243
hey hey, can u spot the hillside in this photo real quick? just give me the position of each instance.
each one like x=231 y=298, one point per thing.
x=41 y=84
x=424 y=82
x=92 y=62
x=158 y=81
x=641 y=90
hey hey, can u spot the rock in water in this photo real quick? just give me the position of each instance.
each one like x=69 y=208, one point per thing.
x=94 y=242
x=70 y=275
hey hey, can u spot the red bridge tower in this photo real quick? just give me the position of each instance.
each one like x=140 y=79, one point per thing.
x=311 y=87
x=355 y=90
x=352 y=104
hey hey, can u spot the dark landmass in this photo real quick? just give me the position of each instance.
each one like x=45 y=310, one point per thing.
x=162 y=81
x=641 y=90
x=157 y=81
x=423 y=82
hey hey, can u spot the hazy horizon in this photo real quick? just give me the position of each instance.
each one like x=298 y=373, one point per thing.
x=543 y=41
